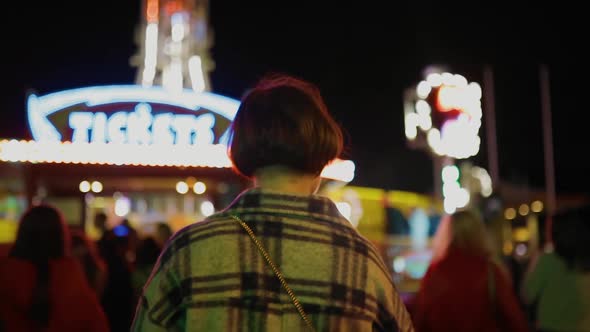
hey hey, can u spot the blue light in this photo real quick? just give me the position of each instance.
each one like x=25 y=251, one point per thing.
x=121 y=231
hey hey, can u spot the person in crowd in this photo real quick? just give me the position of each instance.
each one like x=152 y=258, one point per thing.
x=85 y=251
x=42 y=288
x=163 y=233
x=133 y=239
x=465 y=287
x=118 y=297
x=147 y=254
x=213 y=275
x=557 y=284
x=100 y=223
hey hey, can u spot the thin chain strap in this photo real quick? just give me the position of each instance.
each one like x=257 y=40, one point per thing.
x=276 y=271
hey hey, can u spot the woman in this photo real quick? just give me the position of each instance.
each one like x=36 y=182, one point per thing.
x=147 y=255
x=85 y=251
x=41 y=287
x=162 y=234
x=465 y=287
x=212 y=275
x=118 y=298
x=557 y=285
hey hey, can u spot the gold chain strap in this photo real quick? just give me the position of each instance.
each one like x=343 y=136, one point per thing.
x=276 y=271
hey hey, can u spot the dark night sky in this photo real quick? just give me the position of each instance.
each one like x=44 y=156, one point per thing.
x=361 y=57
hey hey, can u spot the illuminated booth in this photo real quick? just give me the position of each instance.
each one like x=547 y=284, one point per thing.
x=150 y=152
x=141 y=153
x=400 y=224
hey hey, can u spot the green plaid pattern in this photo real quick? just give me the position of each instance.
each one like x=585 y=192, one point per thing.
x=211 y=276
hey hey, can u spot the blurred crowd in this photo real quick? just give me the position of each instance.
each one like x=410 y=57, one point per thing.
x=59 y=279
x=216 y=275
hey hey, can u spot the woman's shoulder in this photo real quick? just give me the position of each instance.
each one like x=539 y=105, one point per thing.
x=69 y=279
x=548 y=261
x=13 y=264
x=67 y=268
x=65 y=262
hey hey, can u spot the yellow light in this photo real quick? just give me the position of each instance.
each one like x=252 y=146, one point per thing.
x=521 y=234
x=181 y=187
x=399 y=264
x=199 y=188
x=84 y=186
x=214 y=155
x=207 y=208
x=507 y=248
x=434 y=79
x=510 y=213
x=96 y=186
x=523 y=209
x=537 y=206
x=449 y=98
x=342 y=170
x=122 y=206
x=423 y=89
x=450 y=173
x=152 y=11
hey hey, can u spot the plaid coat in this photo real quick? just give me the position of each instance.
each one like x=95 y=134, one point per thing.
x=211 y=276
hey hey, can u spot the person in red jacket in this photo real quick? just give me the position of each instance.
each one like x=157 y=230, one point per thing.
x=41 y=287
x=465 y=287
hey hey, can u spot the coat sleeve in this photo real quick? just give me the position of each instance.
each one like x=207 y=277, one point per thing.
x=512 y=316
x=97 y=321
x=420 y=303
x=88 y=308
x=392 y=312
x=536 y=277
x=160 y=307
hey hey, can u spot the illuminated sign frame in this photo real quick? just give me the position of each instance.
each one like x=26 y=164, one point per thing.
x=40 y=107
x=457 y=138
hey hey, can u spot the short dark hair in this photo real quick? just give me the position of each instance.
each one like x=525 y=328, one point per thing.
x=283 y=121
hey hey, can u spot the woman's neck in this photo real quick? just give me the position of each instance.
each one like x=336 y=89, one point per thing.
x=283 y=179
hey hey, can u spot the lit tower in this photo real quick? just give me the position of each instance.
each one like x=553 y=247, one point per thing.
x=174 y=41
x=442 y=116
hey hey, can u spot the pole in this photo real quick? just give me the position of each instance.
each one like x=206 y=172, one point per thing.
x=437 y=176
x=490 y=118
x=548 y=151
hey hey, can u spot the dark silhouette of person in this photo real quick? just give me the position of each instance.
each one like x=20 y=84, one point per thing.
x=42 y=288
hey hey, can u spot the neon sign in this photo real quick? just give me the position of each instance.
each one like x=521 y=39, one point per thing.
x=446 y=111
x=133 y=125
x=132 y=118
x=141 y=127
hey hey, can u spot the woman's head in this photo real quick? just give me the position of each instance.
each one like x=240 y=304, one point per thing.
x=147 y=252
x=83 y=247
x=163 y=233
x=42 y=235
x=464 y=230
x=284 y=122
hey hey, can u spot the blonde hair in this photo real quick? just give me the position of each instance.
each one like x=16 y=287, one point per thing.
x=465 y=230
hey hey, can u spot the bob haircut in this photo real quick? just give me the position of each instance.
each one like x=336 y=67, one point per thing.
x=283 y=121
